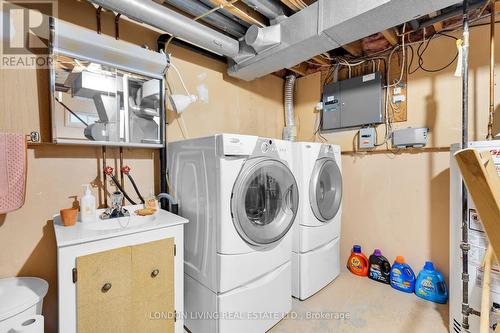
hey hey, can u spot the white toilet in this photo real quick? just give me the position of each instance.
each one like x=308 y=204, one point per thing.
x=21 y=300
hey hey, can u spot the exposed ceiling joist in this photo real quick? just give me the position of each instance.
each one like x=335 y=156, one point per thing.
x=242 y=11
x=438 y=26
x=354 y=48
x=320 y=60
x=300 y=69
x=391 y=36
x=292 y=5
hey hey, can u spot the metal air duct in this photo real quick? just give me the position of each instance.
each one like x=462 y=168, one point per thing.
x=328 y=24
x=215 y=19
x=268 y=8
x=160 y=17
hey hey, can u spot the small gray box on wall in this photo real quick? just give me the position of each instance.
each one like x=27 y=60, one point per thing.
x=352 y=103
x=410 y=137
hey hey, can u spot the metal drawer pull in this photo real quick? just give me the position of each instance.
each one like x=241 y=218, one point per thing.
x=155 y=273
x=106 y=287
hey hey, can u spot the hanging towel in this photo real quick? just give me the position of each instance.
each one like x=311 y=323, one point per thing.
x=12 y=171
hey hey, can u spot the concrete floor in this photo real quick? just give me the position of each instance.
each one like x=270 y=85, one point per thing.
x=372 y=307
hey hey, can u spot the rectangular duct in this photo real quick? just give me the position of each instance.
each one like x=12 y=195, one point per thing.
x=329 y=24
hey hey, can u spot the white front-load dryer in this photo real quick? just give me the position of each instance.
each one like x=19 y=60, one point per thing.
x=316 y=252
x=241 y=199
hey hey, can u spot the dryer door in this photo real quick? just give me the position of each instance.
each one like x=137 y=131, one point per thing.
x=264 y=201
x=325 y=189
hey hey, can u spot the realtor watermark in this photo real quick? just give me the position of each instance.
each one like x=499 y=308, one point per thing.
x=24 y=32
x=234 y=315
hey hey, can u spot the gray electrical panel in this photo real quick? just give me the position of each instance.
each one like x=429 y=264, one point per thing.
x=352 y=103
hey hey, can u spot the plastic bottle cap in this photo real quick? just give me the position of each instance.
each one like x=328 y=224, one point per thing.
x=429 y=266
x=87 y=190
x=400 y=259
x=377 y=253
x=356 y=249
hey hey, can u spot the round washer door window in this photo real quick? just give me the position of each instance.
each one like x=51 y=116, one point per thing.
x=264 y=201
x=325 y=189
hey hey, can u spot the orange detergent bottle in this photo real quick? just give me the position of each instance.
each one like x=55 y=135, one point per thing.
x=358 y=262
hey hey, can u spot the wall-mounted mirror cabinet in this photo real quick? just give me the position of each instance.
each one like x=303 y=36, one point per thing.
x=112 y=96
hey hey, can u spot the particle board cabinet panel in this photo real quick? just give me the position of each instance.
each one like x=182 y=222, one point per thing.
x=145 y=264
x=153 y=286
x=104 y=301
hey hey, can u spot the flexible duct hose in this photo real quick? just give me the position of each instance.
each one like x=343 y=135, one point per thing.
x=290 y=132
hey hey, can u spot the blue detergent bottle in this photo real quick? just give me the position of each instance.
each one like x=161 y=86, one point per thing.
x=402 y=276
x=430 y=285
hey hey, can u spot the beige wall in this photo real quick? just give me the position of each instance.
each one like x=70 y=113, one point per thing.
x=55 y=173
x=400 y=202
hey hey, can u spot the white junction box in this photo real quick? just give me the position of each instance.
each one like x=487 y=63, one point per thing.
x=367 y=137
x=410 y=137
x=478 y=245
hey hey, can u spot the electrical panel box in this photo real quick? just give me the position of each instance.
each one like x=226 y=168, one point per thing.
x=410 y=137
x=352 y=103
x=367 y=137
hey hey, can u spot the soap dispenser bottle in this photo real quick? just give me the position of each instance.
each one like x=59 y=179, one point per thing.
x=87 y=206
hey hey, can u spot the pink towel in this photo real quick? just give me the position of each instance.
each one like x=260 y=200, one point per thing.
x=12 y=171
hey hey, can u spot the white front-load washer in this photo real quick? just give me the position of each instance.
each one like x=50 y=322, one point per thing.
x=316 y=253
x=241 y=199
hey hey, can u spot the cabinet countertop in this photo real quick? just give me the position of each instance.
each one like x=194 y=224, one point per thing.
x=88 y=232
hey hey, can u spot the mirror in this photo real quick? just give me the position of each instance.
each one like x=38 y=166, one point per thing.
x=94 y=103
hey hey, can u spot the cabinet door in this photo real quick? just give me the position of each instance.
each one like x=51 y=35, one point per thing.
x=153 y=287
x=103 y=295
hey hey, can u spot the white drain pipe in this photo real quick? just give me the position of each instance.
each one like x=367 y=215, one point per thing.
x=290 y=130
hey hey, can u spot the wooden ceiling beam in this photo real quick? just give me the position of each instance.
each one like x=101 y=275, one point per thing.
x=320 y=60
x=354 y=48
x=242 y=11
x=300 y=69
x=292 y=5
x=391 y=36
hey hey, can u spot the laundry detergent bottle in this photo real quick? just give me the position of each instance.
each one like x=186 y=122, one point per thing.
x=402 y=276
x=358 y=262
x=430 y=285
x=380 y=268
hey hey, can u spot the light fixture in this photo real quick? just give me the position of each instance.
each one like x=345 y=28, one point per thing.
x=181 y=102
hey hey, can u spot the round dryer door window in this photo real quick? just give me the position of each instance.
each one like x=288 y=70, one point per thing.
x=264 y=201
x=325 y=189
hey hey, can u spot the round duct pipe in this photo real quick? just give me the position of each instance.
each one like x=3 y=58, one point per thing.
x=262 y=39
x=165 y=19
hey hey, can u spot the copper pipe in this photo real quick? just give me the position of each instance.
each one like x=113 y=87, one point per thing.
x=104 y=179
x=122 y=183
x=492 y=72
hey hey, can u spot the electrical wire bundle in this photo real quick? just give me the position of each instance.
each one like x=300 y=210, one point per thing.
x=413 y=50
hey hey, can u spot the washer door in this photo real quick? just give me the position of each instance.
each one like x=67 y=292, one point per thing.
x=264 y=201
x=325 y=189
